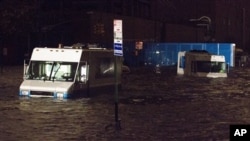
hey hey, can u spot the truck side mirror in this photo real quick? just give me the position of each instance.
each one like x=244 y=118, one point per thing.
x=25 y=69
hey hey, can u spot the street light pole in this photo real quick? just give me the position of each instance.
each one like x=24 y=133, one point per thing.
x=203 y=19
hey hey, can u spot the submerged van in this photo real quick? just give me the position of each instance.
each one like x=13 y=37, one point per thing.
x=69 y=72
x=201 y=64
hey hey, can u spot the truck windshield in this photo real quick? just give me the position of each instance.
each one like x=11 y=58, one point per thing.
x=51 y=71
x=208 y=66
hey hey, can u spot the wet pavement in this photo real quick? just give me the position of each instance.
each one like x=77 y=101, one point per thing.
x=151 y=107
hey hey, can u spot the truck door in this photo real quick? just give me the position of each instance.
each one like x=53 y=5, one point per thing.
x=84 y=72
x=181 y=62
x=82 y=77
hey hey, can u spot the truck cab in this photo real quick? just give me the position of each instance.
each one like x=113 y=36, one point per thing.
x=201 y=64
x=68 y=72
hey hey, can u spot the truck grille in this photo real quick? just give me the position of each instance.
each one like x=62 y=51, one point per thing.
x=38 y=93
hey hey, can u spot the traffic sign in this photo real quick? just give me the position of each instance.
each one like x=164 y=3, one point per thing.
x=118 y=49
x=118 y=46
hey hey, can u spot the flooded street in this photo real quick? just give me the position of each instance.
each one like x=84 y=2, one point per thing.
x=151 y=107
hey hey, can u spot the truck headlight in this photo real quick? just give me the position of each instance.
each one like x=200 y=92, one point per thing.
x=60 y=95
x=24 y=92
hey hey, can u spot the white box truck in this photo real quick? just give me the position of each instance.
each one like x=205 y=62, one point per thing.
x=69 y=72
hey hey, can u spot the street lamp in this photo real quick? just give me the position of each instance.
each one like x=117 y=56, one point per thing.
x=203 y=19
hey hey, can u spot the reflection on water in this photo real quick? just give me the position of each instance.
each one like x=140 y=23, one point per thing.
x=47 y=119
x=157 y=107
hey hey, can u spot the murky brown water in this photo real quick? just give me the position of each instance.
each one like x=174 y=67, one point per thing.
x=151 y=107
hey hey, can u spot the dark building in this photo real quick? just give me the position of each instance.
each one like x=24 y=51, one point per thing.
x=91 y=21
x=227 y=20
x=227 y=17
x=88 y=20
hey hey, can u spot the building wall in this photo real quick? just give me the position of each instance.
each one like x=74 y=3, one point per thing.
x=229 y=22
x=139 y=29
x=182 y=33
x=146 y=20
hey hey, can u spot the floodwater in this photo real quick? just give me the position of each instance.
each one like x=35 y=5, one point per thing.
x=151 y=107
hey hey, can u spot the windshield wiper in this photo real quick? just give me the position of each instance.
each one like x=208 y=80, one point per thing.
x=53 y=78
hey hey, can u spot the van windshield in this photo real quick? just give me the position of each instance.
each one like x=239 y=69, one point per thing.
x=51 y=71
x=208 y=66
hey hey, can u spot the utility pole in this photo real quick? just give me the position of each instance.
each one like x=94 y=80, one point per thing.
x=118 y=52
